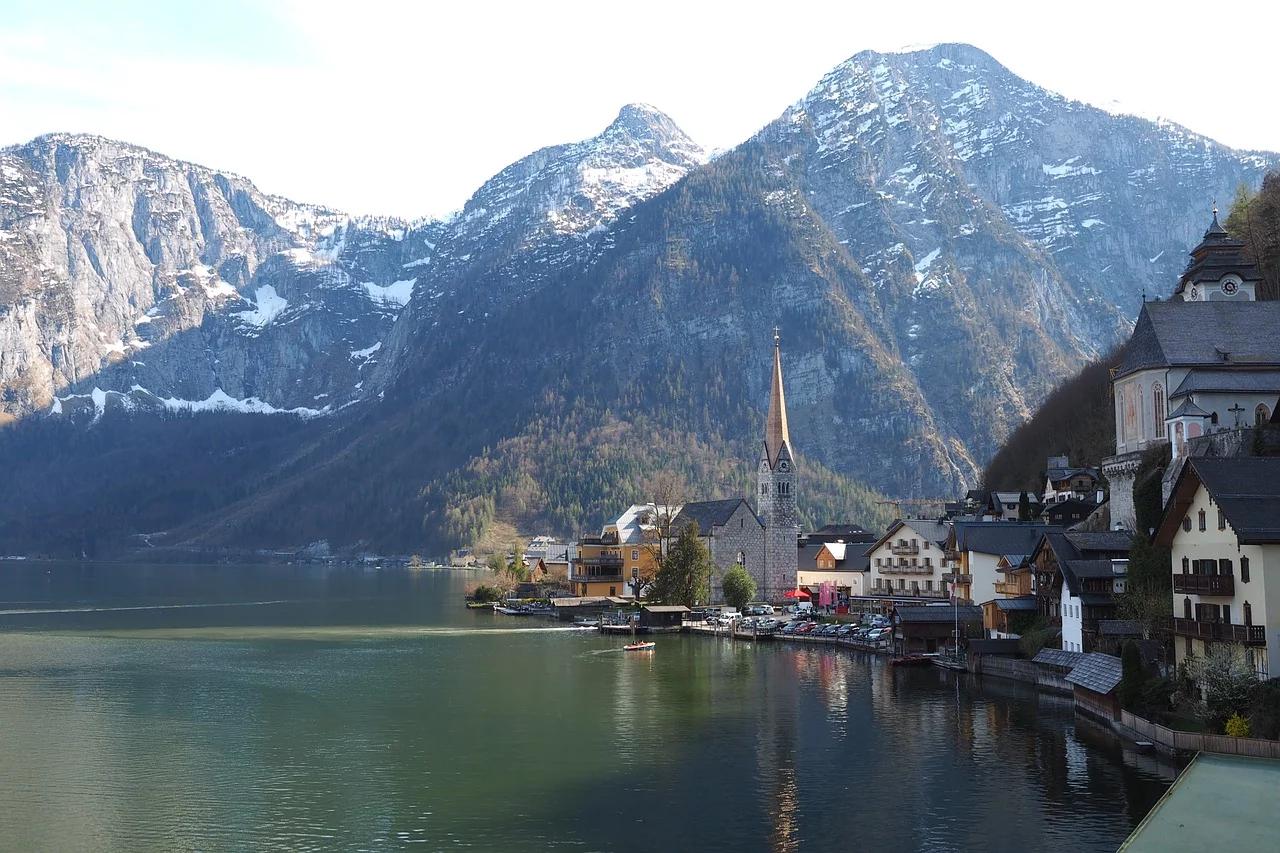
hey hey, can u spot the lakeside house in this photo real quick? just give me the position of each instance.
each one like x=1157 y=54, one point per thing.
x=932 y=628
x=1222 y=526
x=1072 y=601
x=907 y=561
x=975 y=549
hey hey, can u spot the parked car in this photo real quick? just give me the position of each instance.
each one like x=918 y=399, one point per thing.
x=846 y=629
x=807 y=628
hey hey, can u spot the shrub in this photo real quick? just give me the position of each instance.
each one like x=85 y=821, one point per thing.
x=1237 y=726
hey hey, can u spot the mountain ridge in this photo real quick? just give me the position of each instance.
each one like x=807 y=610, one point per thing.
x=925 y=227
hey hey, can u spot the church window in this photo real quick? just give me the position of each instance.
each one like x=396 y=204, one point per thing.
x=1261 y=415
x=1157 y=399
x=1201 y=520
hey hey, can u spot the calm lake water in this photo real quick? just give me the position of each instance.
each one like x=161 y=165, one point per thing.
x=281 y=708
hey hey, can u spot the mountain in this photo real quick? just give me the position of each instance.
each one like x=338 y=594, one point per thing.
x=939 y=241
x=130 y=279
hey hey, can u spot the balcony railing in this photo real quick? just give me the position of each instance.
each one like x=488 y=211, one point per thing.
x=1204 y=584
x=605 y=561
x=956 y=577
x=892 y=592
x=900 y=548
x=1010 y=588
x=610 y=578
x=1250 y=635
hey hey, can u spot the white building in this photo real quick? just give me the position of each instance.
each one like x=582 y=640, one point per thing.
x=1222 y=526
x=909 y=560
x=1204 y=362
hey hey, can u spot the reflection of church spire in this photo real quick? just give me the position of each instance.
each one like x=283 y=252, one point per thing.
x=776 y=436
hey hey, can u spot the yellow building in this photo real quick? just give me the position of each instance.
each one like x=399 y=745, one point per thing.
x=625 y=551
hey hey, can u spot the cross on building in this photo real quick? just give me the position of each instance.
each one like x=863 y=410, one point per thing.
x=1236 y=410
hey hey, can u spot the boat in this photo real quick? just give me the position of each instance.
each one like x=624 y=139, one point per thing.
x=513 y=611
x=910 y=660
x=479 y=605
x=639 y=647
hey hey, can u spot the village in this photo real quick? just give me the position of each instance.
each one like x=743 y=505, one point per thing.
x=1146 y=585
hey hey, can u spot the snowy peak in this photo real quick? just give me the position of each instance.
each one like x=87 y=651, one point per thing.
x=654 y=132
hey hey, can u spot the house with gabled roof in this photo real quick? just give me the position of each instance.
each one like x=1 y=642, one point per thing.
x=909 y=561
x=1072 y=591
x=1222 y=527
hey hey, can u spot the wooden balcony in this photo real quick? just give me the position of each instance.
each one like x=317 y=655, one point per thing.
x=893 y=592
x=907 y=570
x=1249 y=635
x=899 y=549
x=1204 y=584
x=1011 y=588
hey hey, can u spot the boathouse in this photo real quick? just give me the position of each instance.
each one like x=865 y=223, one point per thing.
x=662 y=617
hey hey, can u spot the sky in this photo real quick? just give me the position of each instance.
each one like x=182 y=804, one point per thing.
x=406 y=108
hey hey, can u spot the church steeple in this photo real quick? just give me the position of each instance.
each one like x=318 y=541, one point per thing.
x=776 y=436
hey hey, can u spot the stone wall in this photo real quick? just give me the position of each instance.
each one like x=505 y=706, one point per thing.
x=742 y=533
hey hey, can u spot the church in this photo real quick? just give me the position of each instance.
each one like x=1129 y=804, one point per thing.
x=764 y=540
x=1202 y=366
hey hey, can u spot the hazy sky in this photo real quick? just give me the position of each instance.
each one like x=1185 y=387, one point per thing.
x=382 y=107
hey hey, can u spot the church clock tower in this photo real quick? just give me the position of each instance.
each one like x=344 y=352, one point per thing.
x=776 y=494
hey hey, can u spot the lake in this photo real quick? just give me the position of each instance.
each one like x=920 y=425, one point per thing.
x=297 y=708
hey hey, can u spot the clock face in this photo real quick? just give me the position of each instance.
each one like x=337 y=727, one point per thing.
x=1230 y=286
x=783 y=466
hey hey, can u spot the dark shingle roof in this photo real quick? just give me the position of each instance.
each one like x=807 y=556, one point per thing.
x=1093 y=542
x=1091 y=568
x=1025 y=602
x=1097 y=672
x=1256 y=381
x=1057 y=657
x=1188 y=409
x=1000 y=537
x=1203 y=333
x=1248 y=492
x=1218 y=254
x=1057 y=509
x=1119 y=628
x=708 y=514
x=918 y=615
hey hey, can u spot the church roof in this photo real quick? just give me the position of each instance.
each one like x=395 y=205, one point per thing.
x=1217 y=255
x=776 y=434
x=1208 y=334
x=1245 y=381
x=707 y=514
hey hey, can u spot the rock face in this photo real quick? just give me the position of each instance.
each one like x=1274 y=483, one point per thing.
x=939 y=240
x=172 y=284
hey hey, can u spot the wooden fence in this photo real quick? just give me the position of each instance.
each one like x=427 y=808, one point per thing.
x=1195 y=742
x=1019 y=670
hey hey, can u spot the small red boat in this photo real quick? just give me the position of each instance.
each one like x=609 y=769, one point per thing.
x=639 y=647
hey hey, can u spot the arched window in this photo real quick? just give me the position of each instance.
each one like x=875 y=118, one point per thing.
x=1261 y=415
x=1248 y=614
x=1201 y=519
x=1186 y=608
x=1157 y=401
x=1186 y=566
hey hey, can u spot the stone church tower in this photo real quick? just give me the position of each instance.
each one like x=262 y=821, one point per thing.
x=777 y=494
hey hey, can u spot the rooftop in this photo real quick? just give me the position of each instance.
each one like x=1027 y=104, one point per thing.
x=917 y=615
x=707 y=514
x=1248 y=492
x=1218 y=801
x=1097 y=672
x=1206 y=334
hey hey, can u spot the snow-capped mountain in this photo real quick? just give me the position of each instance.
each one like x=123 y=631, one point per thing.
x=130 y=278
x=940 y=241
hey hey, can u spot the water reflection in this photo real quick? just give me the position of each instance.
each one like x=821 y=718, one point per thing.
x=372 y=711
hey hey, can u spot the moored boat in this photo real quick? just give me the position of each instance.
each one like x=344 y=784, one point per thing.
x=639 y=647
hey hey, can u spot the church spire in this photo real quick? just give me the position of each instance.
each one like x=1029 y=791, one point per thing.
x=776 y=435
